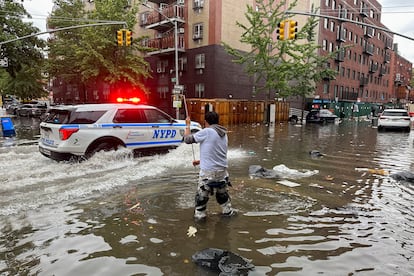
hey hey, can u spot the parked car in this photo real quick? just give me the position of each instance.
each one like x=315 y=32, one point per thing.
x=320 y=116
x=394 y=119
x=29 y=110
x=12 y=109
x=79 y=131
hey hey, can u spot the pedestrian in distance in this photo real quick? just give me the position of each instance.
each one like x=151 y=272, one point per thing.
x=213 y=174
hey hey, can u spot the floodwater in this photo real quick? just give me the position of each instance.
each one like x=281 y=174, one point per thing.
x=337 y=214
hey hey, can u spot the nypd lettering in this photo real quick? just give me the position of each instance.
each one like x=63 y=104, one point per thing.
x=164 y=133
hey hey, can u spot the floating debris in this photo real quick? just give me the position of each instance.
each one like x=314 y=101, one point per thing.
x=191 y=231
x=316 y=153
x=259 y=171
x=373 y=171
x=223 y=261
x=404 y=176
x=288 y=183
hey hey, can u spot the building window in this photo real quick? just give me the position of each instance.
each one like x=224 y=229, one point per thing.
x=325 y=23
x=200 y=61
x=199 y=90
x=326 y=88
x=327 y=3
x=198 y=4
x=332 y=27
x=198 y=31
x=324 y=45
x=161 y=66
x=182 y=64
x=333 y=4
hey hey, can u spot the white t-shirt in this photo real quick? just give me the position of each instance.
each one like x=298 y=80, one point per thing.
x=213 y=149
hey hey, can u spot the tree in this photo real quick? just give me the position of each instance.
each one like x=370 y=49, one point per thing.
x=266 y=60
x=90 y=55
x=23 y=75
x=286 y=67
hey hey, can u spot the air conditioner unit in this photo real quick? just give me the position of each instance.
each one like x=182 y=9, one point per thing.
x=163 y=6
x=159 y=70
x=196 y=36
x=180 y=2
x=181 y=30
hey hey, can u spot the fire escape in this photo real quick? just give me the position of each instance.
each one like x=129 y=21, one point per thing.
x=167 y=20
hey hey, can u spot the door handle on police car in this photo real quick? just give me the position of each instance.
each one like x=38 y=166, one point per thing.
x=117 y=126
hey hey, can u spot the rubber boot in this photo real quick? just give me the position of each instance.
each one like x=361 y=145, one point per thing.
x=227 y=210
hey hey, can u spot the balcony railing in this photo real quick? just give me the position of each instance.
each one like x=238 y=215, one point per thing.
x=369 y=49
x=363 y=81
x=152 y=17
x=166 y=43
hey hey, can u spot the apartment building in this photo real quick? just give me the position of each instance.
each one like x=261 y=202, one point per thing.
x=199 y=66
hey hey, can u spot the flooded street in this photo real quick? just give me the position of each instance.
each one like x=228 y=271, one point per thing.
x=336 y=214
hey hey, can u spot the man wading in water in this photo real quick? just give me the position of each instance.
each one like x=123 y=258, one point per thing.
x=213 y=173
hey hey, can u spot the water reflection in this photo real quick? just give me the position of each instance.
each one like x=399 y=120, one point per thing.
x=128 y=216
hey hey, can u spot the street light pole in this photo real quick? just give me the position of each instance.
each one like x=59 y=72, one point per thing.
x=174 y=22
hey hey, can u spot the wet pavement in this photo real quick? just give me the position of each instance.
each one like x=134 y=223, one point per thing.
x=338 y=213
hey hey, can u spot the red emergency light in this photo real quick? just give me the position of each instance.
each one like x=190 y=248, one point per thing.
x=134 y=100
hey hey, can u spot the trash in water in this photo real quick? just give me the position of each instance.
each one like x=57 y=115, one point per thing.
x=223 y=261
x=279 y=171
x=292 y=173
x=288 y=183
x=404 y=176
x=373 y=171
x=259 y=171
x=316 y=153
x=191 y=231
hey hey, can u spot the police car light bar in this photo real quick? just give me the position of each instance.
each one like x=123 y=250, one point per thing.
x=128 y=100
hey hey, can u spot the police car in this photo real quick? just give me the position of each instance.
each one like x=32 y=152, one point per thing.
x=77 y=132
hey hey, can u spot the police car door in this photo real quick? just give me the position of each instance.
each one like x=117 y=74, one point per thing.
x=165 y=133
x=132 y=128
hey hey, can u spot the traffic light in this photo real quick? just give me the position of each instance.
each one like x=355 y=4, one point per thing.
x=281 y=31
x=292 y=29
x=120 y=37
x=128 y=38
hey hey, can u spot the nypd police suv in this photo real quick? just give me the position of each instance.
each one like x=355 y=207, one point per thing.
x=78 y=131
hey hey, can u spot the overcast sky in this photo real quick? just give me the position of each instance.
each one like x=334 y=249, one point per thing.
x=397 y=15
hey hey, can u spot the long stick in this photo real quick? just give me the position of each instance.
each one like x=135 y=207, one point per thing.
x=186 y=114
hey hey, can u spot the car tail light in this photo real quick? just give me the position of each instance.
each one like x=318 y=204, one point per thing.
x=65 y=133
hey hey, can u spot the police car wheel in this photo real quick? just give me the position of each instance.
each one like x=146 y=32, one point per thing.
x=102 y=146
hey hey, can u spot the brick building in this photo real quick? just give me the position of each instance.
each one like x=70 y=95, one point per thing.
x=366 y=62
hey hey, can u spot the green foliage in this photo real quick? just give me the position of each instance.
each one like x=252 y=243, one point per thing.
x=23 y=76
x=90 y=54
x=289 y=67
